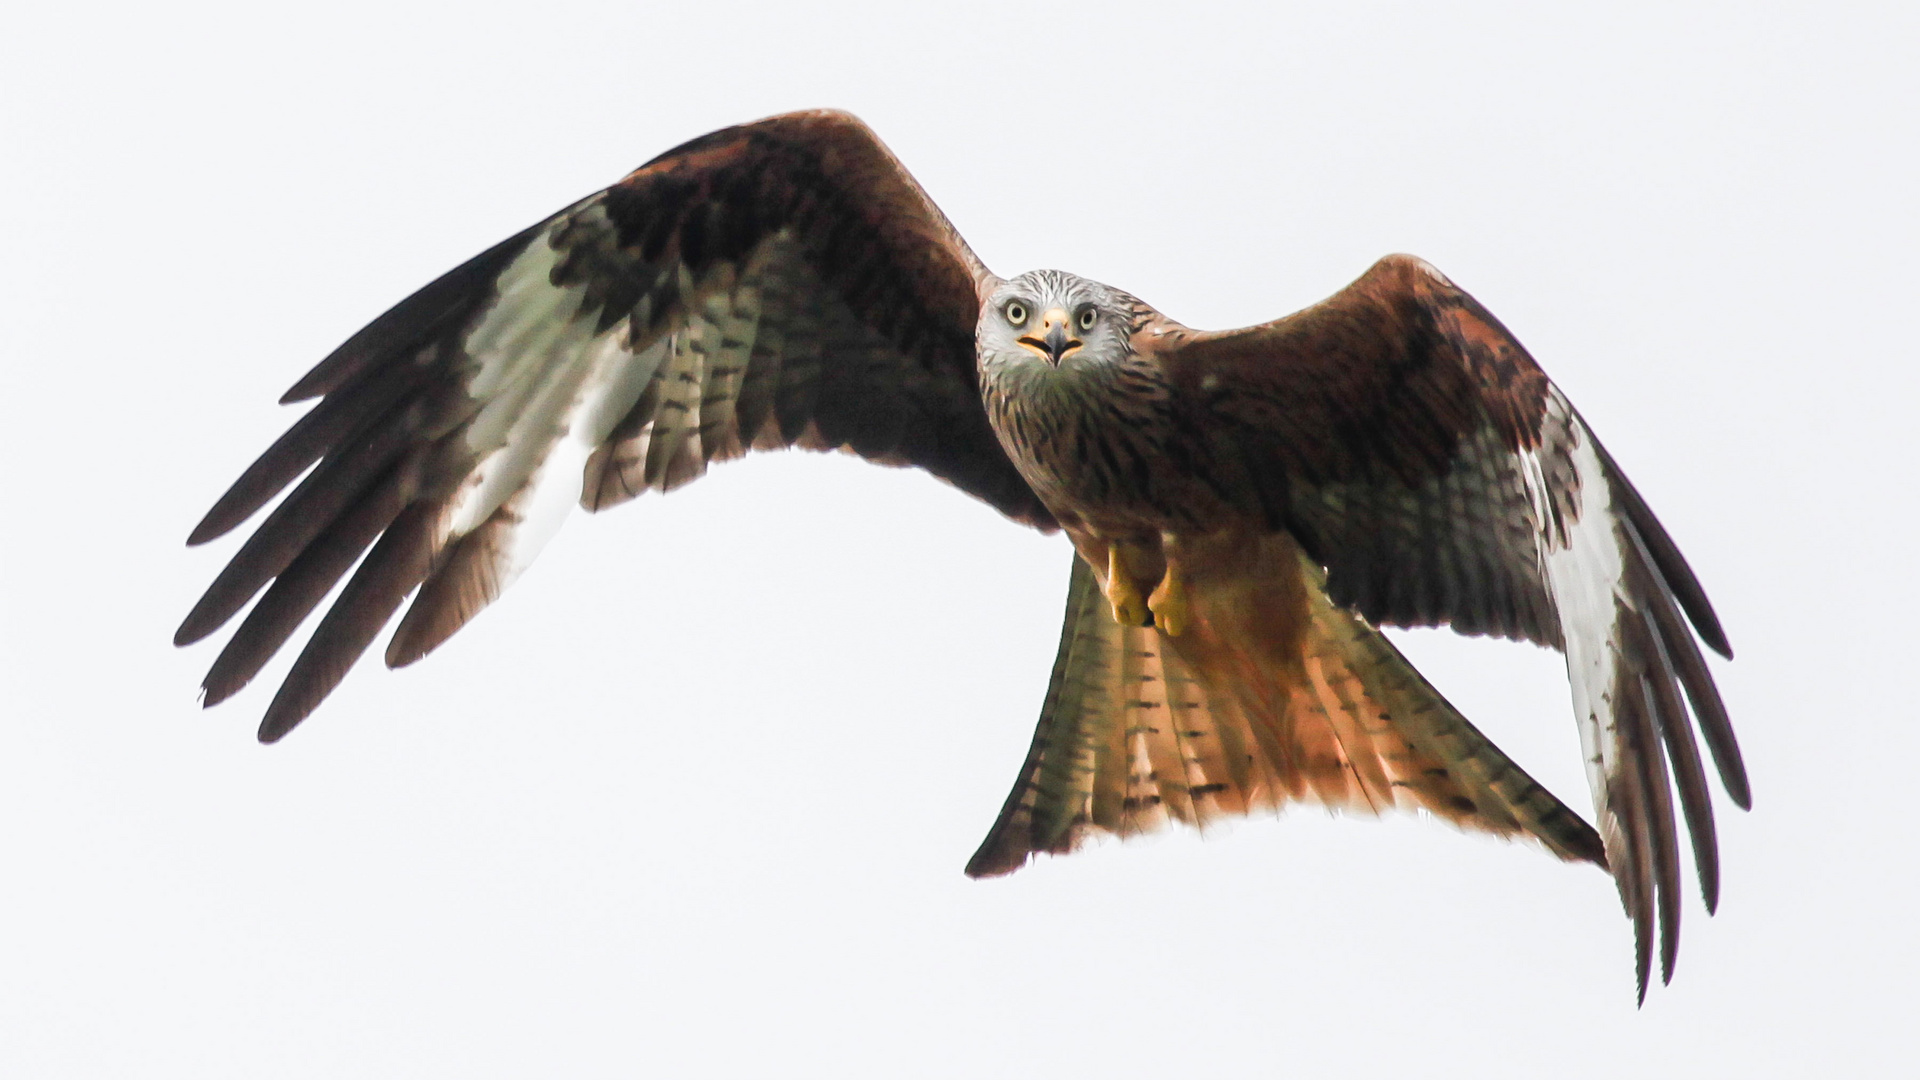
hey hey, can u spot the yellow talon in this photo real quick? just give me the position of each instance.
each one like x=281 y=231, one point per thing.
x=1122 y=592
x=1169 y=603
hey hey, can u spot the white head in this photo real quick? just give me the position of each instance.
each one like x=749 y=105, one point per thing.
x=1053 y=319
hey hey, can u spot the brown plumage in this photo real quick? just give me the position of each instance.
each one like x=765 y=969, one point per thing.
x=1248 y=506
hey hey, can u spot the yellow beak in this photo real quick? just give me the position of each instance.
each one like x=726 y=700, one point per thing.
x=1051 y=339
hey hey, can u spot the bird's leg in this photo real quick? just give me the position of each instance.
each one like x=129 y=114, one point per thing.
x=1123 y=592
x=1169 y=600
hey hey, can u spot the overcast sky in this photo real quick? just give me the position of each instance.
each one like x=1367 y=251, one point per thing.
x=693 y=798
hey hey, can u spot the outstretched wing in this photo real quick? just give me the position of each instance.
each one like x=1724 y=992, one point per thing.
x=1416 y=451
x=779 y=283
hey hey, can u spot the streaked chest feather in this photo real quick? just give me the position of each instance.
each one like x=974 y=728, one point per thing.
x=1098 y=444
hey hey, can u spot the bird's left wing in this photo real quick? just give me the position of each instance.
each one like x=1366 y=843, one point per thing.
x=779 y=283
x=1417 y=452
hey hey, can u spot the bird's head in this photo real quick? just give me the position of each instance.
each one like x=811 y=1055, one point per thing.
x=1053 y=318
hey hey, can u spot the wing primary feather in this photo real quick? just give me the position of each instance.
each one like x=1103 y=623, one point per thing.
x=301 y=587
x=396 y=564
x=1664 y=836
x=1676 y=731
x=1638 y=795
x=331 y=423
x=453 y=296
x=1666 y=555
x=1633 y=871
x=1715 y=726
x=327 y=492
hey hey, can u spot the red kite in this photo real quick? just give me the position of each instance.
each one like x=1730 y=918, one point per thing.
x=1248 y=506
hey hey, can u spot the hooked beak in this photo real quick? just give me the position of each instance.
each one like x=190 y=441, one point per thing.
x=1053 y=341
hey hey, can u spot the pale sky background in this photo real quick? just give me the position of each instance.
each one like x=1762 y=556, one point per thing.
x=693 y=799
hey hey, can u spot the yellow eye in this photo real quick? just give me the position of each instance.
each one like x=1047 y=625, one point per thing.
x=1016 y=313
x=1086 y=319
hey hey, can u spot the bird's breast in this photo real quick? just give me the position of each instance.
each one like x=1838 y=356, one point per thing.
x=1103 y=448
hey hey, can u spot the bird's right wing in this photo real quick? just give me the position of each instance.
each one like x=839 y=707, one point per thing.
x=780 y=283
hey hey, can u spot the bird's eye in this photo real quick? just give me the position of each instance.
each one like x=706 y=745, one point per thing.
x=1086 y=319
x=1016 y=313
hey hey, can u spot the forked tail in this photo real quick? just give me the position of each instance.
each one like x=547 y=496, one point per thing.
x=1273 y=695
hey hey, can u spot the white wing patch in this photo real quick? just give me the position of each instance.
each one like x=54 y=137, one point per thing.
x=1611 y=600
x=1585 y=571
x=555 y=390
x=554 y=387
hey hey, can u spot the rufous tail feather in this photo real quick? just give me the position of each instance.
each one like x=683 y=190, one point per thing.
x=1271 y=695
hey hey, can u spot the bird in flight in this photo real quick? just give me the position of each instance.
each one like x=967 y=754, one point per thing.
x=1248 y=506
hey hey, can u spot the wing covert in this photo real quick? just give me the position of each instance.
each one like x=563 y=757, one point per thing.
x=779 y=283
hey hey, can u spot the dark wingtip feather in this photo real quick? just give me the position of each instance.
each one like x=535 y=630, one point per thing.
x=1666 y=556
x=453 y=295
x=397 y=563
x=1716 y=727
x=213 y=526
x=300 y=446
x=1686 y=590
x=1663 y=636
x=1634 y=871
x=305 y=515
x=208 y=615
x=300 y=588
x=213 y=691
x=1659 y=831
x=1642 y=956
x=315 y=675
x=1643 y=932
x=325 y=429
